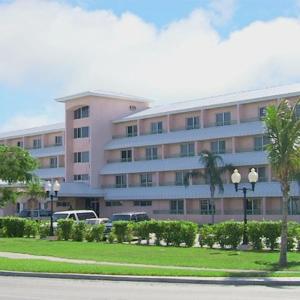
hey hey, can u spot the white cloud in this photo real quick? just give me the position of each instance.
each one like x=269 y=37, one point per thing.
x=222 y=10
x=46 y=41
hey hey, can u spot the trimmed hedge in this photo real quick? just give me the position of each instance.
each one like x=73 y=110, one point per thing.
x=64 y=229
x=95 y=233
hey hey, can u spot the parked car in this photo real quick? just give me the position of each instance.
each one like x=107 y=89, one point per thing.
x=76 y=215
x=38 y=214
x=97 y=221
x=129 y=216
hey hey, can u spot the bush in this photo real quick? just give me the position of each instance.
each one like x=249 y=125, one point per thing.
x=64 y=229
x=111 y=238
x=142 y=230
x=207 y=235
x=95 y=233
x=78 y=231
x=255 y=234
x=123 y=231
x=13 y=227
x=31 y=228
x=44 y=230
x=233 y=232
x=188 y=232
x=157 y=228
x=292 y=234
x=271 y=233
x=221 y=237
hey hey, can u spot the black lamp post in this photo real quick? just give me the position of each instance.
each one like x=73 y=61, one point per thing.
x=236 y=179
x=52 y=191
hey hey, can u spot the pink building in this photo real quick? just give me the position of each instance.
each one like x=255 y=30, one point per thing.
x=122 y=155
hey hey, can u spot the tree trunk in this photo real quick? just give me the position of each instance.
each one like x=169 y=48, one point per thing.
x=212 y=205
x=284 y=225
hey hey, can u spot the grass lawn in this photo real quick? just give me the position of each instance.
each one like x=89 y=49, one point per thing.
x=172 y=256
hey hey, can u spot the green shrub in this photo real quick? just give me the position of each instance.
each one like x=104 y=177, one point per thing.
x=31 y=228
x=78 y=231
x=13 y=227
x=292 y=235
x=255 y=234
x=207 y=235
x=157 y=228
x=64 y=229
x=123 y=231
x=233 y=232
x=271 y=233
x=142 y=231
x=188 y=232
x=95 y=233
x=111 y=238
x=44 y=230
x=220 y=233
x=297 y=233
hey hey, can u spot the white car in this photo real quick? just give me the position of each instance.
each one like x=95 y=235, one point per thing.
x=76 y=215
x=97 y=221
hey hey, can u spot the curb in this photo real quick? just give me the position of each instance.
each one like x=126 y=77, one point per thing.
x=266 y=281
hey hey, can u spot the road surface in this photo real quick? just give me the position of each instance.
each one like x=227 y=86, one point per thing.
x=15 y=288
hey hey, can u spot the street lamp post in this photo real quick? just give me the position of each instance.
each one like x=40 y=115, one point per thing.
x=52 y=191
x=236 y=179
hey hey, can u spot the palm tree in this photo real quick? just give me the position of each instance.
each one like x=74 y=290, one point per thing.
x=34 y=190
x=214 y=168
x=283 y=130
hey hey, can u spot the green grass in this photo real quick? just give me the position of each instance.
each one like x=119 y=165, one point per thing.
x=172 y=256
x=27 y=265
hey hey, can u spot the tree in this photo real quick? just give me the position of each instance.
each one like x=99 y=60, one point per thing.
x=16 y=166
x=34 y=190
x=283 y=131
x=214 y=168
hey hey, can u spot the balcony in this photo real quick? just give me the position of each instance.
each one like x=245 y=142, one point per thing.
x=168 y=212
x=48 y=151
x=238 y=212
x=203 y=212
x=47 y=173
x=216 y=124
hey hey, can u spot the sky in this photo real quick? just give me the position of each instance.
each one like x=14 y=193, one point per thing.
x=165 y=50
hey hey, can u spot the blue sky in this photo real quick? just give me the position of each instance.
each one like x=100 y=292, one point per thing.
x=40 y=69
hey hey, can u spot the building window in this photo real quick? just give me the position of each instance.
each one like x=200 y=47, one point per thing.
x=58 y=140
x=142 y=203
x=294 y=206
x=187 y=149
x=262 y=174
x=37 y=143
x=218 y=147
x=176 y=207
x=146 y=179
x=82 y=112
x=62 y=204
x=131 y=130
x=151 y=153
x=53 y=162
x=121 y=181
x=253 y=206
x=81 y=157
x=262 y=112
x=205 y=207
x=126 y=155
x=82 y=132
x=81 y=177
x=113 y=203
x=157 y=127
x=180 y=177
x=223 y=118
x=260 y=142
x=192 y=123
x=20 y=144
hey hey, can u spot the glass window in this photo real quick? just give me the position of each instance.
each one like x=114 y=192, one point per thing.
x=81 y=177
x=176 y=207
x=187 y=149
x=223 y=118
x=294 y=206
x=53 y=162
x=192 y=123
x=146 y=179
x=260 y=142
x=82 y=132
x=37 y=143
x=157 y=127
x=205 y=207
x=121 y=181
x=132 y=130
x=86 y=215
x=179 y=177
x=262 y=112
x=151 y=153
x=218 y=147
x=81 y=157
x=126 y=155
x=58 y=140
x=253 y=206
x=142 y=203
x=82 y=112
x=20 y=144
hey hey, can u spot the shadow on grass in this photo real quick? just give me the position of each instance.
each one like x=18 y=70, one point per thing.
x=275 y=267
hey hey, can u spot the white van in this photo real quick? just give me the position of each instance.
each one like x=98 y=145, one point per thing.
x=76 y=215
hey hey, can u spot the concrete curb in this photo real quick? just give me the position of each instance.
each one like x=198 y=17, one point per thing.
x=266 y=281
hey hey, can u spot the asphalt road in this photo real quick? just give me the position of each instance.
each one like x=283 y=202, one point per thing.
x=12 y=288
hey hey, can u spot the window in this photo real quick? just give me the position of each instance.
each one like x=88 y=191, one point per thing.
x=180 y=177
x=121 y=181
x=176 y=207
x=146 y=179
x=82 y=132
x=37 y=143
x=218 y=147
x=20 y=144
x=53 y=162
x=132 y=130
x=260 y=142
x=262 y=112
x=253 y=206
x=205 y=207
x=187 y=149
x=151 y=153
x=62 y=204
x=192 y=123
x=142 y=203
x=223 y=119
x=113 y=203
x=81 y=177
x=82 y=112
x=261 y=171
x=157 y=127
x=81 y=157
x=294 y=206
x=72 y=216
x=58 y=140
x=126 y=155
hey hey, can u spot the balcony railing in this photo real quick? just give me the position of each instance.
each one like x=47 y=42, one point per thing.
x=180 y=155
x=168 y=212
x=202 y=212
x=216 y=124
x=241 y=212
x=247 y=120
x=53 y=145
x=279 y=212
x=142 y=158
x=114 y=186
